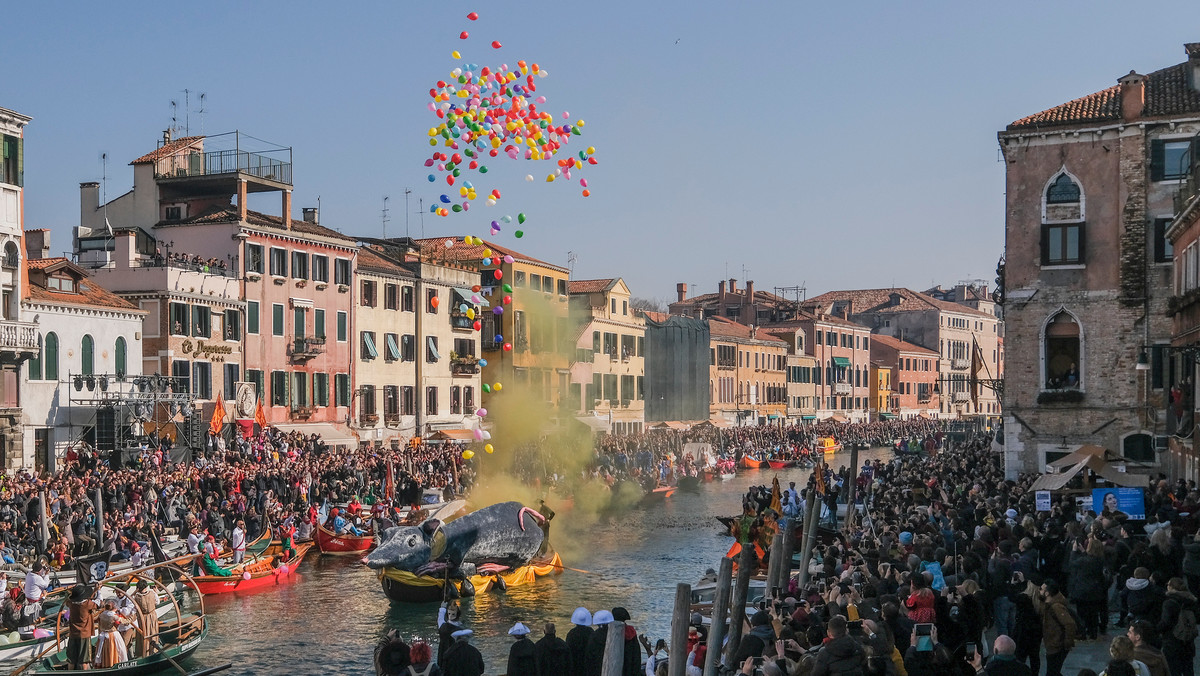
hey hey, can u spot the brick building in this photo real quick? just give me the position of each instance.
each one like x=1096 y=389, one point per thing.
x=1091 y=188
x=745 y=306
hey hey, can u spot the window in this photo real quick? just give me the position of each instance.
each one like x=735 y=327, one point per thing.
x=87 y=356
x=535 y=282
x=299 y=265
x=519 y=278
x=465 y=347
x=319 y=323
x=341 y=384
x=121 y=353
x=232 y=376
x=456 y=399
x=367 y=345
x=12 y=160
x=407 y=302
x=408 y=400
x=202 y=380
x=1138 y=447
x=391 y=400
x=1164 y=252
x=368 y=294
x=279 y=382
x=431 y=401
x=180 y=319
x=1062 y=244
x=254 y=258
x=341 y=271
x=252 y=317
x=1061 y=348
x=233 y=325
x=366 y=400
x=430 y=298
x=469 y=399
x=391 y=344
x=278 y=262
x=819 y=338
x=256 y=377
x=624 y=307
x=63 y=284
x=299 y=322
x=1062 y=190
x=181 y=376
x=201 y=321
x=321 y=389
x=613 y=305
x=562 y=287
x=408 y=347
x=341 y=326
x=320 y=268
x=299 y=389
x=276 y=319
x=1170 y=160
x=431 y=350
x=391 y=297
x=596 y=342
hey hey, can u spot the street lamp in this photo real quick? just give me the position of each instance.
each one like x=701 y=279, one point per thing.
x=1143 y=362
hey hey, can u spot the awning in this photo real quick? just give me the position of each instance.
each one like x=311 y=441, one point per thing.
x=301 y=302
x=838 y=418
x=1083 y=452
x=465 y=295
x=772 y=416
x=452 y=435
x=431 y=341
x=393 y=349
x=330 y=434
x=369 y=344
x=1099 y=467
x=597 y=424
x=808 y=417
x=887 y=416
x=841 y=361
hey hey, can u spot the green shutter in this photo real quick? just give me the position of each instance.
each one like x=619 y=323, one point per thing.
x=252 y=317
x=1156 y=160
x=277 y=319
x=319 y=323
x=21 y=162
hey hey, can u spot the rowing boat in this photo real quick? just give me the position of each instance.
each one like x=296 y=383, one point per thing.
x=329 y=542
x=267 y=571
x=751 y=463
x=658 y=495
x=780 y=463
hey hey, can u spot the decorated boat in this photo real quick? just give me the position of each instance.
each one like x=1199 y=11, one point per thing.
x=329 y=542
x=268 y=570
x=405 y=587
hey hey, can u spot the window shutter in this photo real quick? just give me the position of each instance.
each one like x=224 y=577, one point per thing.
x=21 y=162
x=1156 y=160
x=1082 y=243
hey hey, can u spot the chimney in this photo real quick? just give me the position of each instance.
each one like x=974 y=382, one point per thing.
x=312 y=215
x=681 y=292
x=749 y=310
x=750 y=291
x=166 y=136
x=37 y=244
x=89 y=201
x=1133 y=96
x=732 y=285
x=1193 y=54
x=721 y=293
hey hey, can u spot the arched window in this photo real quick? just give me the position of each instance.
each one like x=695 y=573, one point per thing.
x=1061 y=350
x=1063 y=190
x=88 y=356
x=50 y=352
x=121 y=355
x=35 y=364
x=1138 y=447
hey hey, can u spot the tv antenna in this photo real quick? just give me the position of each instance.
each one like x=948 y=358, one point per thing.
x=407 y=211
x=384 y=215
x=571 y=258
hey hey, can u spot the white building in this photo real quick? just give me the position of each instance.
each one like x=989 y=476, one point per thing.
x=89 y=348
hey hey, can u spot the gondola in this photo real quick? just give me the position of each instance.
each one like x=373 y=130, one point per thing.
x=266 y=571
x=329 y=542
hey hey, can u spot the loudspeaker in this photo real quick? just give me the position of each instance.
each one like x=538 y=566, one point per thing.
x=196 y=429
x=106 y=429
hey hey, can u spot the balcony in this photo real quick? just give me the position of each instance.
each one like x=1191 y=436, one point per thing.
x=961 y=397
x=12 y=260
x=842 y=388
x=229 y=158
x=960 y=364
x=368 y=419
x=460 y=320
x=19 y=337
x=391 y=419
x=467 y=365
x=303 y=412
x=303 y=349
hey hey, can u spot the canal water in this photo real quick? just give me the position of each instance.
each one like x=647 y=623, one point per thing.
x=328 y=619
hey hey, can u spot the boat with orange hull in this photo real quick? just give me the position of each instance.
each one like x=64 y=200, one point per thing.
x=751 y=463
x=329 y=542
x=828 y=445
x=267 y=571
x=657 y=495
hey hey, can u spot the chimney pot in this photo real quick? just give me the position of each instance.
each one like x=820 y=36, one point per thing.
x=732 y=285
x=1193 y=53
x=1133 y=96
x=312 y=215
x=681 y=292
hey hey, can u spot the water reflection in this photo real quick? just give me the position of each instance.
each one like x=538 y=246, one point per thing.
x=329 y=617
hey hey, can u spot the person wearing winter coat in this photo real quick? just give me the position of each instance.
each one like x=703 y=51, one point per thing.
x=1191 y=562
x=1027 y=630
x=521 y=661
x=1180 y=650
x=1086 y=585
x=1141 y=598
x=577 y=641
x=841 y=654
x=1058 y=627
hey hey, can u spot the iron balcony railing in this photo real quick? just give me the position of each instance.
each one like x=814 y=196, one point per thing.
x=274 y=164
x=306 y=348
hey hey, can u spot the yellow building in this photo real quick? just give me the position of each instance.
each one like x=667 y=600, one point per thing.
x=533 y=320
x=881 y=391
x=747 y=375
x=607 y=376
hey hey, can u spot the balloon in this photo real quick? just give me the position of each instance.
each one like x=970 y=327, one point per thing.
x=477 y=326
x=449 y=243
x=462 y=307
x=245 y=575
x=583 y=182
x=487 y=435
x=498 y=273
x=498 y=339
x=488 y=448
x=470 y=313
x=497 y=387
x=496 y=44
x=487 y=262
x=519 y=234
x=478 y=435
x=507 y=288
x=472 y=16
x=445 y=199
x=521 y=217
x=508 y=259
x=431 y=178
x=506 y=218
x=481 y=412
x=434 y=302
x=498 y=310
x=483 y=362
x=529 y=177
x=508 y=347
x=468 y=454
x=587 y=193
x=477 y=288
x=507 y=300
x=456 y=55
x=464 y=35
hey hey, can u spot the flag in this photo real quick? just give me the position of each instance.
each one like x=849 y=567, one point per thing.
x=107 y=226
x=819 y=473
x=260 y=416
x=92 y=568
x=218 y=418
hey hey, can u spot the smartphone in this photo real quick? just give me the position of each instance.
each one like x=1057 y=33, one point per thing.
x=924 y=629
x=821 y=586
x=758 y=661
x=970 y=652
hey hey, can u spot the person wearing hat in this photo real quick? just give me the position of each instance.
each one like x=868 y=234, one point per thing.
x=462 y=658
x=521 y=660
x=392 y=655
x=83 y=612
x=594 y=658
x=146 y=599
x=697 y=649
x=448 y=622
x=551 y=653
x=761 y=635
x=577 y=640
x=633 y=659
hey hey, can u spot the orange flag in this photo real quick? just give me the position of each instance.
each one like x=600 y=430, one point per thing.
x=218 y=419
x=260 y=416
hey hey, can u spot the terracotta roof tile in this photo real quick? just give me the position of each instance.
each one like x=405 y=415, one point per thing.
x=879 y=301
x=657 y=317
x=435 y=247
x=1167 y=91
x=229 y=214
x=90 y=295
x=168 y=149
x=897 y=344
x=371 y=261
x=589 y=285
x=720 y=326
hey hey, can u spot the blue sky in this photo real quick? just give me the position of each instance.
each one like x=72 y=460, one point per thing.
x=830 y=145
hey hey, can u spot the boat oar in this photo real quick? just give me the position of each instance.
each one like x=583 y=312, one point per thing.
x=161 y=650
